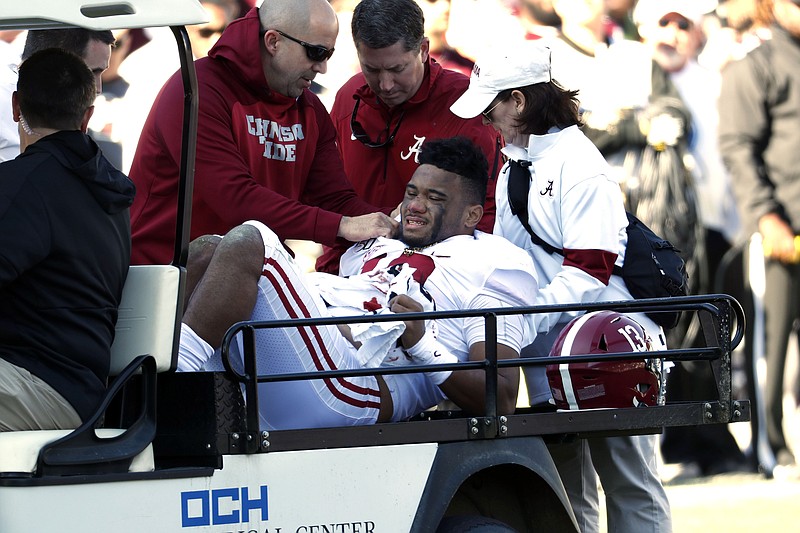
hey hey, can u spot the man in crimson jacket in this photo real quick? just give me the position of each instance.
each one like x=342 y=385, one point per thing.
x=265 y=144
x=401 y=98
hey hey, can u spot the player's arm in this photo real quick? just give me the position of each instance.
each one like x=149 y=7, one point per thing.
x=467 y=388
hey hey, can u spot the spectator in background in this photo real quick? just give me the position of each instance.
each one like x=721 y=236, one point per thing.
x=759 y=133
x=634 y=114
x=266 y=147
x=93 y=46
x=400 y=100
x=148 y=67
x=9 y=59
x=470 y=20
x=204 y=36
x=743 y=25
x=437 y=20
x=672 y=32
x=538 y=18
x=64 y=250
x=619 y=20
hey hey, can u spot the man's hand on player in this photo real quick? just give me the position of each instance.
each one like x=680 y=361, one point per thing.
x=369 y=226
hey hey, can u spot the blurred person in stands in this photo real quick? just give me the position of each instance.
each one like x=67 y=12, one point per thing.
x=743 y=25
x=9 y=59
x=672 y=32
x=470 y=21
x=538 y=19
x=148 y=67
x=437 y=20
x=401 y=99
x=619 y=20
x=759 y=135
x=93 y=46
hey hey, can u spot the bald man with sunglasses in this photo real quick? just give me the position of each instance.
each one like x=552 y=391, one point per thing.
x=265 y=144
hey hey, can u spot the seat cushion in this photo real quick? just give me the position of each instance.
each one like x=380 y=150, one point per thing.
x=19 y=450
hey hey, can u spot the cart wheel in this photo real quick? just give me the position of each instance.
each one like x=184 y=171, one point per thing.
x=473 y=524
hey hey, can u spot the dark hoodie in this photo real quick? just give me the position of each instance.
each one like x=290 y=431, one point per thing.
x=64 y=256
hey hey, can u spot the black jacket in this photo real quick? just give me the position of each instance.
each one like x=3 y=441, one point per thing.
x=759 y=129
x=64 y=256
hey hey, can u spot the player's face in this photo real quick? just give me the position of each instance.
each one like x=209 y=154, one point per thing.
x=392 y=73
x=433 y=208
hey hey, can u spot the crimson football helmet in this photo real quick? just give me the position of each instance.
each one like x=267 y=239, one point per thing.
x=604 y=384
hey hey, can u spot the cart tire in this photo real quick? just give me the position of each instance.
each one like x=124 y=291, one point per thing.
x=473 y=524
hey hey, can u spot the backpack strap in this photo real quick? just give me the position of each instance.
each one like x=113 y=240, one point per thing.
x=519 y=185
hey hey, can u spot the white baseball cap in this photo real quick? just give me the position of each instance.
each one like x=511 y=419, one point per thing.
x=509 y=67
x=651 y=11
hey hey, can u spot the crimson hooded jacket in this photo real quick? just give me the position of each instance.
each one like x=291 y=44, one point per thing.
x=380 y=175
x=260 y=155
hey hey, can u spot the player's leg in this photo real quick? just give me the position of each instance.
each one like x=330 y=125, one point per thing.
x=283 y=294
x=224 y=294
x=201 y=250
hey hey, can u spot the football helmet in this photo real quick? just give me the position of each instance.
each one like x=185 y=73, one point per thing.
x=604 y=384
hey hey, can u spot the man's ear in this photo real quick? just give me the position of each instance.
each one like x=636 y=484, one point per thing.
x=270 y=42
x=15 y=106
x=86 y=116
x=424 y=49
x=474 y=215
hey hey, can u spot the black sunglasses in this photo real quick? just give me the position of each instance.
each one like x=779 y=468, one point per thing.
x=207 y=33
x=315 y=52
x=358 y=130
x=683 y=24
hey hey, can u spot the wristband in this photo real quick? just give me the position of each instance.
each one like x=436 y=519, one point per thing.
x=429 y=351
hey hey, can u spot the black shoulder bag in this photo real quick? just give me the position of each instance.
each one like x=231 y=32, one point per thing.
x=652 y=267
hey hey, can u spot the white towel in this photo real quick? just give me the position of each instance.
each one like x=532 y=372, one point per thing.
x=370 y=293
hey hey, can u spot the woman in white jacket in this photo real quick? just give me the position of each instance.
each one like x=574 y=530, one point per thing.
x=574 y=206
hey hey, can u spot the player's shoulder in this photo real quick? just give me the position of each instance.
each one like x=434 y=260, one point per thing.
x=496 y=243
x=485 y=248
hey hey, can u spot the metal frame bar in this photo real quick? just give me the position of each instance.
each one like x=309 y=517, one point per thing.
x=717 y=314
